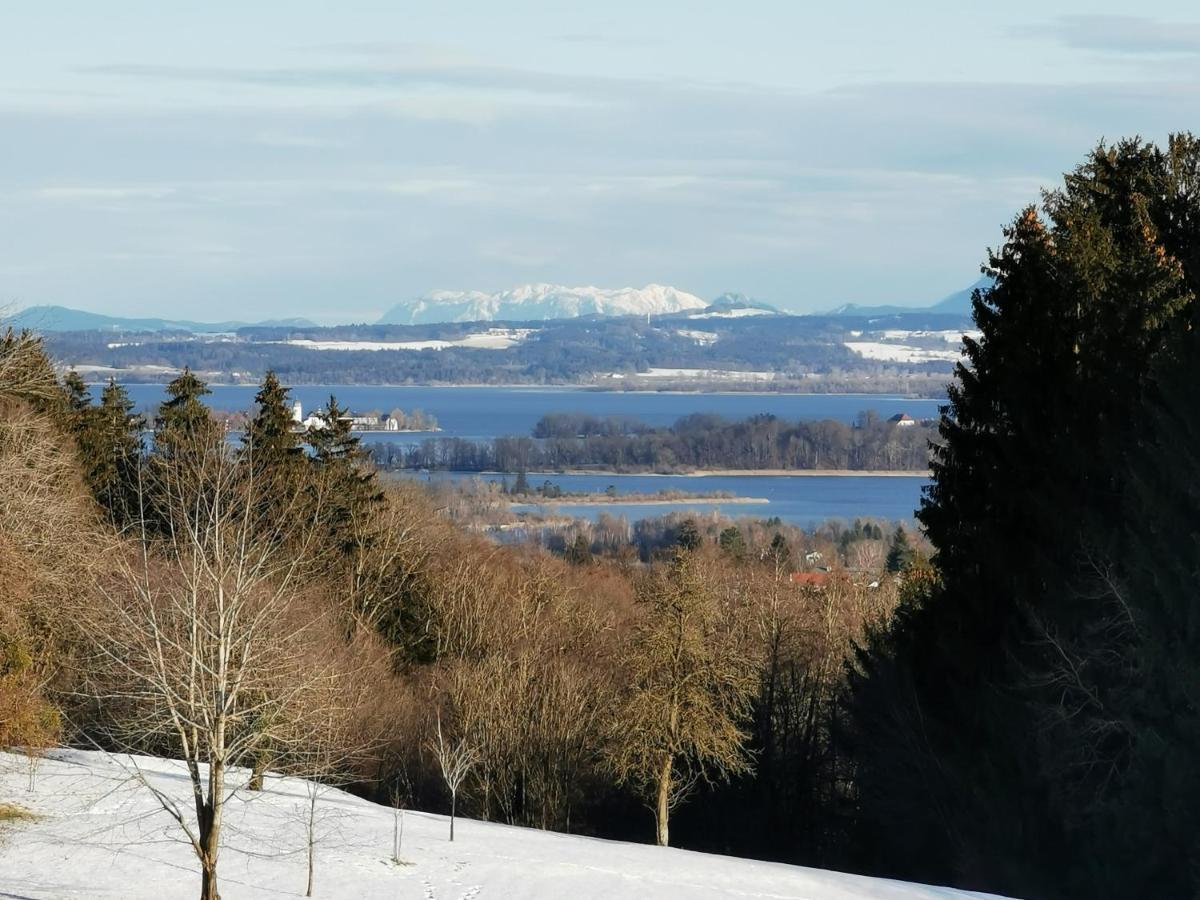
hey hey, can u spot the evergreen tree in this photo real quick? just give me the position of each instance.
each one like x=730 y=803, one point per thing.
x=780 y=552
x=1151 y=828
x=900 y=553
x=732 y=542
x=114 y=452
x=996 y=680
x=184 y=426
x=79 y=399
x=271 y=448
x=521 y=485
x=350 y=485
x=270 y=439
x=579 y=551
x=689 y=537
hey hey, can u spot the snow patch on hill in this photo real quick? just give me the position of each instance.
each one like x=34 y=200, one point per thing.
x=492 y=339
x=100 y=833
x=537 y=302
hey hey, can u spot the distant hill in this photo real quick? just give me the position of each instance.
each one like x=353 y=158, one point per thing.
x=540 y=302
x=956 y=304
x=730 y=305
x=62 y=318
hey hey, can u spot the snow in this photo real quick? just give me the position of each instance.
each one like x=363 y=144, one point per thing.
x=100 y=834
x=951 y=336
x=739 y=313
x=901 y=352
x=492 y=339
x=703 y=338
x=532 y=302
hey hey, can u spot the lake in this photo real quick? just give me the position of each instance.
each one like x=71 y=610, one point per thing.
x=803 y=500
x=482 y=413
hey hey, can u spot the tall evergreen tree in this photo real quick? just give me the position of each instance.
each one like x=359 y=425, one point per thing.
x=184 y=424
x=993 y=680
x=111 y=450
x=900 y=553
x=271 y=440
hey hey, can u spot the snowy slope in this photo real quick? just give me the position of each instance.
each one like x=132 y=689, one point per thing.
x=101 y=834
x=536 y=302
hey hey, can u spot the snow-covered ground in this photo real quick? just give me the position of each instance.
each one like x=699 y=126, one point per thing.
x=492 y=339
x=100 y=833
x=901 y=345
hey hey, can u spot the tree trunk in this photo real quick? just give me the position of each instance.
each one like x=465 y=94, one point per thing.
x=208 y=880
x=258 y=773
x=312 y=840
x=453 y=799
x=663 y=810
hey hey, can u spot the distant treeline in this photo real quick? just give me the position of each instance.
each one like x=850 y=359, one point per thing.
x=701 y=441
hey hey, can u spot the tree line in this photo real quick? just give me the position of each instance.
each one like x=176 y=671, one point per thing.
x=698 y=441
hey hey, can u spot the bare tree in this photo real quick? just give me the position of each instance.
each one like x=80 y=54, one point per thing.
x=690 y=692
x=204 y=646
x=455 y=761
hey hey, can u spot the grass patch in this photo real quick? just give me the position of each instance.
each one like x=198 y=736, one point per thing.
x=10 y=812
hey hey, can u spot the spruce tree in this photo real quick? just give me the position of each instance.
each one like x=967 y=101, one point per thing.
x=996 y=680
x=270 y=439
x=115 y=448
x=900 y=553
x=184 y=426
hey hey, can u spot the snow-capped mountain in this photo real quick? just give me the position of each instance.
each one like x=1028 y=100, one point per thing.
x=536 y=302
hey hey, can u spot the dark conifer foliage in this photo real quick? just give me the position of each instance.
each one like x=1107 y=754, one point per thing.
x=184 y=424
x=996 y=683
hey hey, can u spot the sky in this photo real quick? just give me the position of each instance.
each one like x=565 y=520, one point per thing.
x=327 y=160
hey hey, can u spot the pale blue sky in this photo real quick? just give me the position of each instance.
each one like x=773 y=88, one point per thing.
x=328 y=159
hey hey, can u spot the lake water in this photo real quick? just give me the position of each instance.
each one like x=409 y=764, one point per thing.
x=803 y=500
x=484 y=412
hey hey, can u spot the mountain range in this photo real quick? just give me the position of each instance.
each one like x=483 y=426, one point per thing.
x=540 y=302
x=62 y=318
x=956 y=304
x=526 y=303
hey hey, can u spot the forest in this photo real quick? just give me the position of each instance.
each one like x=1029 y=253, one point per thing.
x=700 y=441
x=1005 y=700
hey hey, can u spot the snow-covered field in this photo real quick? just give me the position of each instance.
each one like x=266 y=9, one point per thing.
x=897 y=345
x=492 y=339
x=100 y=833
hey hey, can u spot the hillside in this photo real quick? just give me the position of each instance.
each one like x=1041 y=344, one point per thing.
x=62 y=318
x=99 y=833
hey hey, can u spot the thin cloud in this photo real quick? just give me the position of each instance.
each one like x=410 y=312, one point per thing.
x=1130 y=35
